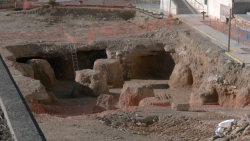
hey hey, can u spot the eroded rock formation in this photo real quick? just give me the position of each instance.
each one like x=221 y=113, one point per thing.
x=106 y=102
x=132 y=93
x=181 y=76
x=90 y=82
x=111 y=70
x=43 y=72
x=26 y=69
x=32 y=89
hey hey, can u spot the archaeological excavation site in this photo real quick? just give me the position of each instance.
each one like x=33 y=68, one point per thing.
x=104 y=74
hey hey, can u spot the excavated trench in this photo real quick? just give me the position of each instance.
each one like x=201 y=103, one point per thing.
x=177 y=70
x=143 y=65
x=181 y=65
x=183 y=69
x=62 y=64
x=155 y=65
x=186 y=67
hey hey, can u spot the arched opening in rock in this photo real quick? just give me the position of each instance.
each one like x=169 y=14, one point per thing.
x=212 y=97
x=153 y=65
x=62 y=66
x=86 y=59
x=25 y=59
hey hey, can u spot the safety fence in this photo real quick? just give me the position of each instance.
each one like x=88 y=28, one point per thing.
x=243 y=35
x=237 y=33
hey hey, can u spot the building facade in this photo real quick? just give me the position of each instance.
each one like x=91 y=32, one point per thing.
x=220 y=9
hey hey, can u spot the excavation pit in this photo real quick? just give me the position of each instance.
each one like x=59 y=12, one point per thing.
x=148 y=51
x=147 y=65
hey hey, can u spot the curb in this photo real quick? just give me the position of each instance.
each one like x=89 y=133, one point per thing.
x=235 y=59
x=223 y=44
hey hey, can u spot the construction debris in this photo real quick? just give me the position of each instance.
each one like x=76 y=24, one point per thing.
x=233 y=129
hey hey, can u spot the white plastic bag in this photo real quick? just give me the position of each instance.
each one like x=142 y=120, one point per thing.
x=217 y=129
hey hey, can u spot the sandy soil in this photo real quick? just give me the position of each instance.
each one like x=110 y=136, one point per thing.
x=172 y=126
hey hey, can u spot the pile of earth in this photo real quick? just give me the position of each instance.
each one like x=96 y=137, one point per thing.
x=172 y=126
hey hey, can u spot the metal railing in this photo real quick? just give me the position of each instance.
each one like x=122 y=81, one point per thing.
x=200 y=4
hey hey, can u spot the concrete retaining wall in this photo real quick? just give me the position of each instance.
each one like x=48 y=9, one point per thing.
x=241 y=22
x=20 y=120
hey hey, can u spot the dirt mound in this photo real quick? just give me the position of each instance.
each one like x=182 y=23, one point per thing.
x=98 y=13
x=167 y=126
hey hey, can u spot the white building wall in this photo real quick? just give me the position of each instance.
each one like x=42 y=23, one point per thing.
x=214 y=7
x=165 y=5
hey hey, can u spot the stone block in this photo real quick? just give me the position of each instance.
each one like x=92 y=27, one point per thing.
x=180 y=107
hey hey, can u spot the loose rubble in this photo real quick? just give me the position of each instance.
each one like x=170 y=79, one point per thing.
x=233 y=129
x=128 y=121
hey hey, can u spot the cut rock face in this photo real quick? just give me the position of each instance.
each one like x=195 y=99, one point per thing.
x=31 y=89
x=181 y=76
x=106 y=101
x=132 y=93
x=111 y=70
x=26 y=70
x=152 y=101
x=201 y=98
x=43 y=72
x=90 y=82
